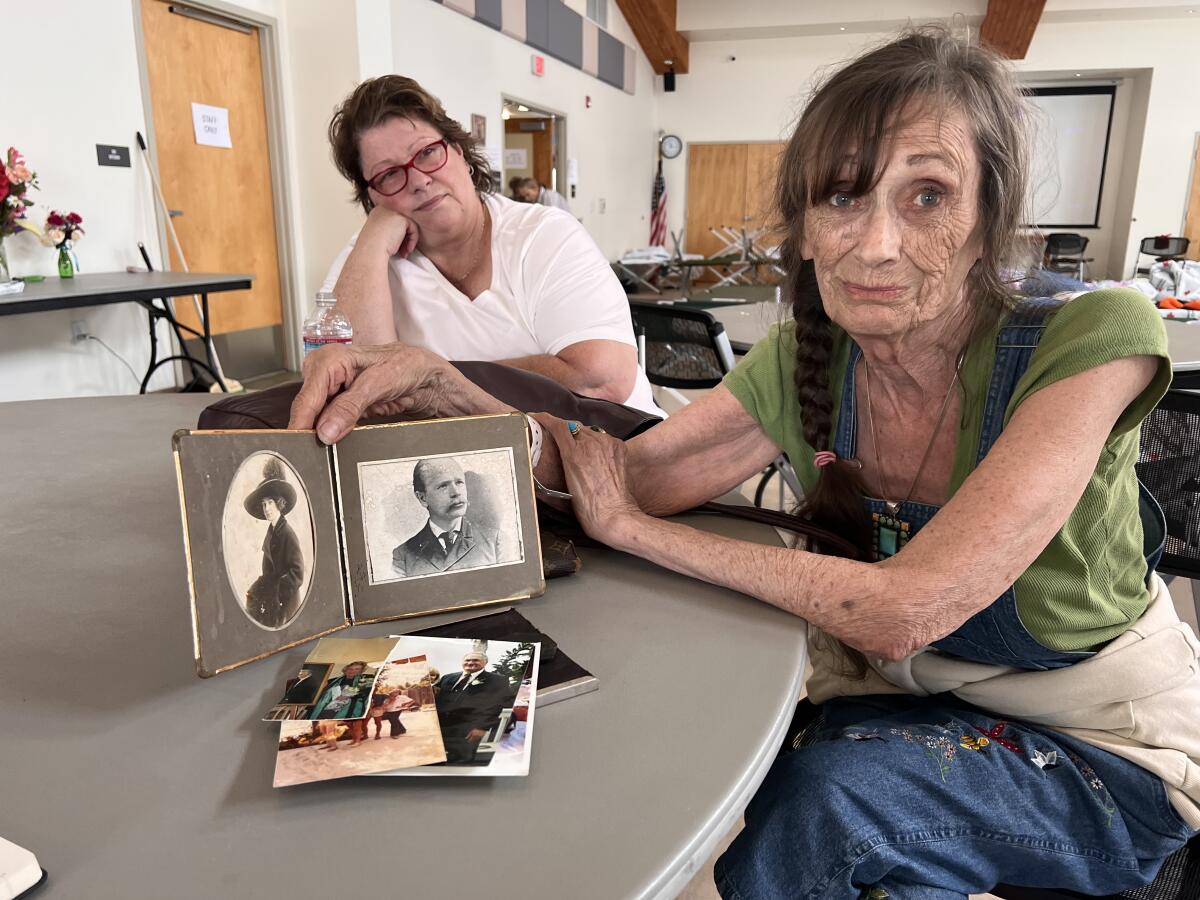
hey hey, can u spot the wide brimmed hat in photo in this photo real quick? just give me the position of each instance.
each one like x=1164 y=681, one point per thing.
x=273 y=485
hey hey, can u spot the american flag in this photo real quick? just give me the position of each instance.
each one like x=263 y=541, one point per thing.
x=658 y=210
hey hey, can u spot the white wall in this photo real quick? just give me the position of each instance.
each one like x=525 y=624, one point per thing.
x=56 y=117
x=759 y=96
x=1172 y=116
x=1105 y=247
x=326 y=47
x=323 y=44
x=469 y=67
x=55 y=113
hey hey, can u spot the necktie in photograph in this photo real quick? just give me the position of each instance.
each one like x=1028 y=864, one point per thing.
x=448 y=539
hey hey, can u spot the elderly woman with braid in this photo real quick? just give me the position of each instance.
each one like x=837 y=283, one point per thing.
x=1005 y=691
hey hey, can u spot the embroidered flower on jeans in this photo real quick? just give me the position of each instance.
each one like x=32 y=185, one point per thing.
x=940 y=749
x=872 y=735
x=1043 y=761
x=970 y=742
x=1102 y=796
x=996 y=733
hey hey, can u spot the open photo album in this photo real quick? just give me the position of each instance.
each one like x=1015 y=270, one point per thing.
x=287 y=539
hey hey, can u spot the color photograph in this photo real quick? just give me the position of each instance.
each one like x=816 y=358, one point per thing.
x=337 y=680
x=399 y=727
x=484 y=694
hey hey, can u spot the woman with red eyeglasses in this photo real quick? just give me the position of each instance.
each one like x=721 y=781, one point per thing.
x=446 y=264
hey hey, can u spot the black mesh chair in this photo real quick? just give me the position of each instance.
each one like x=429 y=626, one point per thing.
x=1162 y=247
x=681 y=348
x=1169 y=467
x=688 y=349
x=1064 y=253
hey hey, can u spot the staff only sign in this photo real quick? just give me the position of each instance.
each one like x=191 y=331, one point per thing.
x=211 y=124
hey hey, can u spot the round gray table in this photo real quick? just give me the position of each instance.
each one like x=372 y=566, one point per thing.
x=130 y=777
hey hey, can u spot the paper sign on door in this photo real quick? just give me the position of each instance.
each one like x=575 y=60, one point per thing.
x=211 y=124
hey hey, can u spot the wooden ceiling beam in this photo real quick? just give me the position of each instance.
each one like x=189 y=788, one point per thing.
x=1009 y=25
x=653 y=23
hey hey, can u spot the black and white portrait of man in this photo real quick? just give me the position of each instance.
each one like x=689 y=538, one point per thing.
x=439 y=515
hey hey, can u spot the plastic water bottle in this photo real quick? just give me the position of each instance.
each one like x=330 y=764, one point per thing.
x=325 y=324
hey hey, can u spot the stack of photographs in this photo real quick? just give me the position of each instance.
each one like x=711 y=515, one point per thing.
x=408 y=706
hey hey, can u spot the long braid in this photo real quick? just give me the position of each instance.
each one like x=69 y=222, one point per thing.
x=834 y=502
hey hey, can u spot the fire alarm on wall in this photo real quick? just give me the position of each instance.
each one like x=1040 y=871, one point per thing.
x=587 y=101
x=537 y=65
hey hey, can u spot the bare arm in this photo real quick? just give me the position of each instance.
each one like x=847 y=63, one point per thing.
x=701 y=452
x=989 y=532
x=602 y=369
x=362 y=288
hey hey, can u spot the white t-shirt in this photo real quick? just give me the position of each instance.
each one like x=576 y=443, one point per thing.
x=551 y=288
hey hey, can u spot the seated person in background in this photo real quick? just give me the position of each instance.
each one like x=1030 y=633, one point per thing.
x=444 y=264
x=1005 y=691
x=528 y=190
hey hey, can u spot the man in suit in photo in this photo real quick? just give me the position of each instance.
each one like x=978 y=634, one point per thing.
x=274 y=597
x=450 y=540
x=469 y=704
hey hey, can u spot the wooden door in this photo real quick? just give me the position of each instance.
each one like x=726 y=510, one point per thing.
x=228 y=221
x=716 y=194
x=762 y=165
x=731 y=185
x=1191 y=226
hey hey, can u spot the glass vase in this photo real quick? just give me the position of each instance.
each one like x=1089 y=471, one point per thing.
x=5 y=275
x=66 y=268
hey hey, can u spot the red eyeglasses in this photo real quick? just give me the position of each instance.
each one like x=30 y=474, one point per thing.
x=428 y=159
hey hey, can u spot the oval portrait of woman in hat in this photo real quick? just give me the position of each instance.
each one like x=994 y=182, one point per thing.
x=267 y=540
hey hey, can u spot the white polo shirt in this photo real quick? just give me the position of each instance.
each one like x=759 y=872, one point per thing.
x=551 y=288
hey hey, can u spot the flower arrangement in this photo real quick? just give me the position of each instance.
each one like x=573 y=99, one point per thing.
x=62 y=227
x=14 y=185
x=61 y=230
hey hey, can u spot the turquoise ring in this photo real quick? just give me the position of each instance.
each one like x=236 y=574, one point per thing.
x=573 y=427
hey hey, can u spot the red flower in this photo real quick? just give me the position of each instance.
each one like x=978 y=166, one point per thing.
x=3 y=188
x=74 y=218
x=55 y=219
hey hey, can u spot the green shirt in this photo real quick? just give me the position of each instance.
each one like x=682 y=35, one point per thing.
x=1088 y=585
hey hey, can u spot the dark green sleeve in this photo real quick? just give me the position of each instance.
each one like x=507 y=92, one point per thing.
x=1091 y=330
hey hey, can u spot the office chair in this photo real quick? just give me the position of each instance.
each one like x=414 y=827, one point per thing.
x=682 y=348
x=1162 y=247
x=1169 y=469
x=1064 y=253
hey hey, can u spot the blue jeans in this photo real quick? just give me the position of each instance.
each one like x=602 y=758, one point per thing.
x=932 y=798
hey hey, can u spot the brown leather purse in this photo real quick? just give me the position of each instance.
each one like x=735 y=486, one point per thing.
x=528 y=392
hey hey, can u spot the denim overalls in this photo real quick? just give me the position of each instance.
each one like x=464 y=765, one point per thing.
x=933 y=798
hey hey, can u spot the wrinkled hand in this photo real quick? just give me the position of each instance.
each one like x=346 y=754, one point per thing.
x=594 y=467
x=475 y=735
x=344 y=383
x=391 y=231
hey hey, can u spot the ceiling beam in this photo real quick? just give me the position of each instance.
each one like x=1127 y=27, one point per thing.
x=1009 y=25
x=653 y=23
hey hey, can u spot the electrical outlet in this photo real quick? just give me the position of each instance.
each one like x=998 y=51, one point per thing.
x=79 y=331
